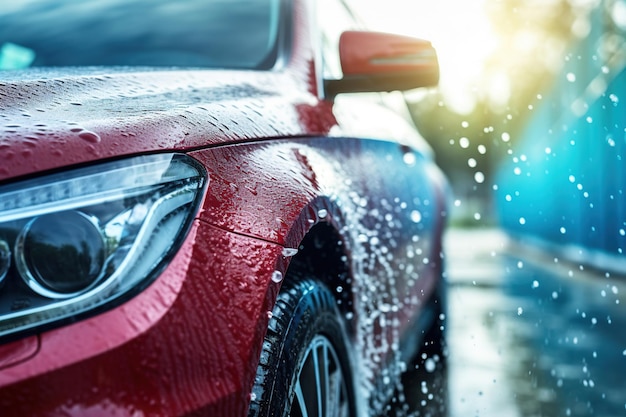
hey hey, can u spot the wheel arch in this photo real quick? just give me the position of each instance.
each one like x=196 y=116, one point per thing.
x=323 y=254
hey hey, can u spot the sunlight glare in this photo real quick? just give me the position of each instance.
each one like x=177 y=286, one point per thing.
x=459 y=30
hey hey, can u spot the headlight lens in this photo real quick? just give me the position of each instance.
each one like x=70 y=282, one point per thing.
x=60 y=254
x=73 y=242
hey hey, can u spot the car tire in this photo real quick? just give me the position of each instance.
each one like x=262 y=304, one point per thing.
x=305 y=362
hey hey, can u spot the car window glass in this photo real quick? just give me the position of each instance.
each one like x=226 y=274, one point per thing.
x=334 y=19
x=215 y=33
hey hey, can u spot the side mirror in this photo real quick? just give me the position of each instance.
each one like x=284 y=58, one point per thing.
x=375 y=62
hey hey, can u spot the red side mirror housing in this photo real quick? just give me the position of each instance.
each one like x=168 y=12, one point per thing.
x=374 y=62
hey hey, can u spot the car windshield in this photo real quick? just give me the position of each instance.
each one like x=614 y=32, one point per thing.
x=196 y=33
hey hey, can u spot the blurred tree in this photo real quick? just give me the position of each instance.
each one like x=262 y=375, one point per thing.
x=532 y=39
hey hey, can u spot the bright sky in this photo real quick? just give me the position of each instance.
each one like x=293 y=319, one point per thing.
x=458 y=29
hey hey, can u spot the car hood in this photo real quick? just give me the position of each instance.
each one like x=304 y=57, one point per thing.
x=55 y=118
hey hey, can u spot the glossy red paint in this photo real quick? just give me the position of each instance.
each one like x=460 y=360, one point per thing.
x=65 y=125
x=374 y=53
x=275 y=191
x=18 y=351
x=280 y=160
x=183 y=347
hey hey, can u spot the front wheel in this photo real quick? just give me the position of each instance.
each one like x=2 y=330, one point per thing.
x=304 y=370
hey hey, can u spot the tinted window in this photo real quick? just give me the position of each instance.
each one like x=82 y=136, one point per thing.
x=206 y=33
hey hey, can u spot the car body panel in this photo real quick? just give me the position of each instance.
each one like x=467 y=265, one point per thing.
x=281 y=160
x=76 y=119
x=262 y=198
x=18 y=351
x=191 y=340
x=277 y=191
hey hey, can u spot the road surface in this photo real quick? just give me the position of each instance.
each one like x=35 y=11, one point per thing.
x=529 y=334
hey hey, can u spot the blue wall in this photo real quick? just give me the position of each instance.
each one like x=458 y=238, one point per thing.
x=571 y=175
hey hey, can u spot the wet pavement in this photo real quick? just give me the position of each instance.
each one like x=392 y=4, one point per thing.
x=530 y=334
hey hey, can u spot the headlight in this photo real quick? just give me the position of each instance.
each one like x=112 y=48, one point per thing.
x=73 y=242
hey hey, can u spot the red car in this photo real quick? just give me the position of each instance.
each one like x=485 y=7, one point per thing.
x=196 y=218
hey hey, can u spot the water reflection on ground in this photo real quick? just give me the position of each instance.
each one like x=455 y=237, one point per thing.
x=530 y=335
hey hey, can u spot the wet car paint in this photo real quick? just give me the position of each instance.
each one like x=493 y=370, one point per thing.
x=189 y=344
x=59 y=121
x=253 y=210
x=278 y=191
x=18 y=351
x=190 y=340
